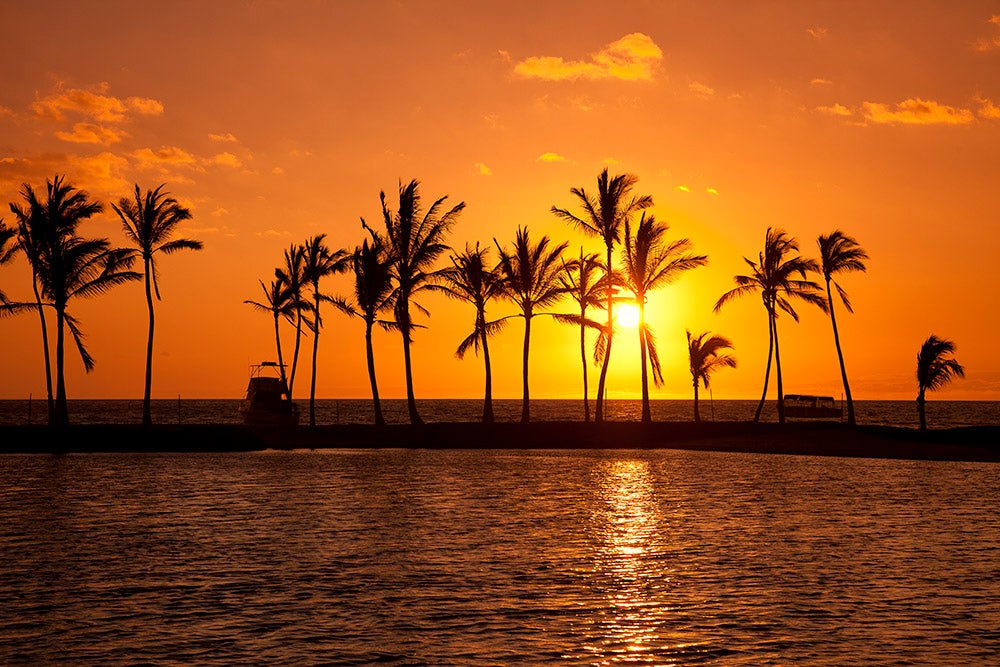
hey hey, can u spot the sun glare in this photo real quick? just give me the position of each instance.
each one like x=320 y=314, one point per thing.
x=628 y=315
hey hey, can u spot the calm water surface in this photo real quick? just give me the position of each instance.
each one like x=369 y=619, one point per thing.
x=497 y=558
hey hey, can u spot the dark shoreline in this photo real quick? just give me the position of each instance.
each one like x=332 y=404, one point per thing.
x=973 y=443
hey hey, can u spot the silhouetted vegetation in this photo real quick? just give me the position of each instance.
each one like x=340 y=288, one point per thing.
x=585 y=281
x=704 y=359
x=936 y=367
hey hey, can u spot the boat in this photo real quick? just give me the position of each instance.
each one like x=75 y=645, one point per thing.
x=267 y=399
x=806 y=406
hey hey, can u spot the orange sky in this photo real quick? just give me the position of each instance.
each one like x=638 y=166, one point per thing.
x=275 y=121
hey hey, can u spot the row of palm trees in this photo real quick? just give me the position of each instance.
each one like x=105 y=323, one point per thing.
x=66 y=266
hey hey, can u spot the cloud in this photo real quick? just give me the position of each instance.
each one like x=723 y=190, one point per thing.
x=550 y=157
x=701 y=90
x=227 y=160
x=682 y=188
x=4 y=111
x=987 y=109
x=989 y=43
x=219 y=212
x=712 y=191
x=278 y=171
x=93 y=104
x=631 y=58
x=915 y=111
x=610 y=161
x=816 y=32
x=483 y=170
x=227 y=137
x=102 y=173
x=166 y=156
x=89 y=133
x=820 y=82
x=835 y=110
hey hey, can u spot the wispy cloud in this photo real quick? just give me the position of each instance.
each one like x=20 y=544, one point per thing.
x=712 y=191
x=94 y=104
x=820 y=82
x=227 y=160
x=682 y=188
x=816 y=32
x=701 y=90
x=835 y=110
x=483 y=170
x=550 y=157
x=166 y=156
x=631 y=58
x=987 y=109
x=226 y=137
x=989 y=43
x=915 y=111
x=90 y=133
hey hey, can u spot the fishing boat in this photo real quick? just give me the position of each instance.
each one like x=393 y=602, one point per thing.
x=267 y=399
x=806 y=406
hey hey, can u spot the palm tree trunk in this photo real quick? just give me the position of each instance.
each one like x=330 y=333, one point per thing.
x=697 y=417
x=370 y=354
x=147 y=415
x=767 y=372
x=62 y=410
x=281 y=362
x=583 y=358
x=777 y=370
x=404 y=326
x=599 y=408
x=295 y=351
x=840 y=356
x=312 y=385
x=646 y=415
x=45 y=352
x=525 y=401
x=488 y=398
x=920 y=410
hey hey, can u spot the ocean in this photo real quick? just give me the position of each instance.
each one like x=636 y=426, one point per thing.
x=940 y=414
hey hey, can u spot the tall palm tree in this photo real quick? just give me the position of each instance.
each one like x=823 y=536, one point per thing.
x=604 y=216
x=935 y=369
x=531 y=276
x=279 y=302
x=839 y=253
x=292 y=274
x=416 y=240
x=704 y=359
x=652 y=262
x=149 y=222
x=471 y=279
x=65 y=266
x=585 y=281
x=773 y=277
x=373 y=296
x=319 y=261
x=8 y=247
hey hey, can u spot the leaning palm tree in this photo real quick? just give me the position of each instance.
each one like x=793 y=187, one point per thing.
x=773 y=277
x=839 y=253
x=416 y=239
x=935 y=369
x=373 y=296
x=278 y=302
x=652 y=262
x=585 y=281
x=292 y=275
x=604 y=216
x=319 y=261
x=471 y=279
x=149 y=221
x=531 y=276
x=704 y=359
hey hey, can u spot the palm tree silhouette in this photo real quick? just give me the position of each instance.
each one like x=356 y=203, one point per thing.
x=373 y=295
x=839 y=253
x=280 y=303
x=604 y=216
x=585 y=281
x=416 y=241
x=935 y=369
x=66 y=265
x=8 y=248
x=651 y=262
x=149 y=221
x=773 y=276
x=319 y=261
x=470 y=279
x=531 y=276
x=292 y=274
x=704 y=359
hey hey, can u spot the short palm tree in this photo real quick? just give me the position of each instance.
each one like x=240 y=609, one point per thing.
x=149 y=221
x=279 y=302
x=935 y=369
x=773 y=276
x=319 y=261
x=704 y=359
x=839 y=253
x=471 y=279
x=651 y=262
x=292 y=274
x=585 y=281
x=416 y=239
x=373 y=295
x=604 y=215
x=531 y=274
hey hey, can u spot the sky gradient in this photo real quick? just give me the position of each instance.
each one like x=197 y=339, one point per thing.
x=275 y=121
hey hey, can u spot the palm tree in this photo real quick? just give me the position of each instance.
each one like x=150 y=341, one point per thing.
x=318 y=262
x=373 y=295
x=839 y=253
x=604 y=216
x=292 y=275
x=652 y=262
x=149 y=222
x=773 y=276
x=66 y=265
x=585 y=281
x=935 y=369
x=8 y=247
x=531 y=276
x=280 y=303
x=470 y=279
x=704 y=359
x=416 y=241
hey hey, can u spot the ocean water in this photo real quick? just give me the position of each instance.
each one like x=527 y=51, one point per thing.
x=481 y=558
x=940 y=414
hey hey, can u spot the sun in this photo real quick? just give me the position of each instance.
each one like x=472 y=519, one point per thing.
x=628 y=315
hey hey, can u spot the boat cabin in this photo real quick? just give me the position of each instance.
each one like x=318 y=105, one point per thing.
x=806 y=406
x=267 y=398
